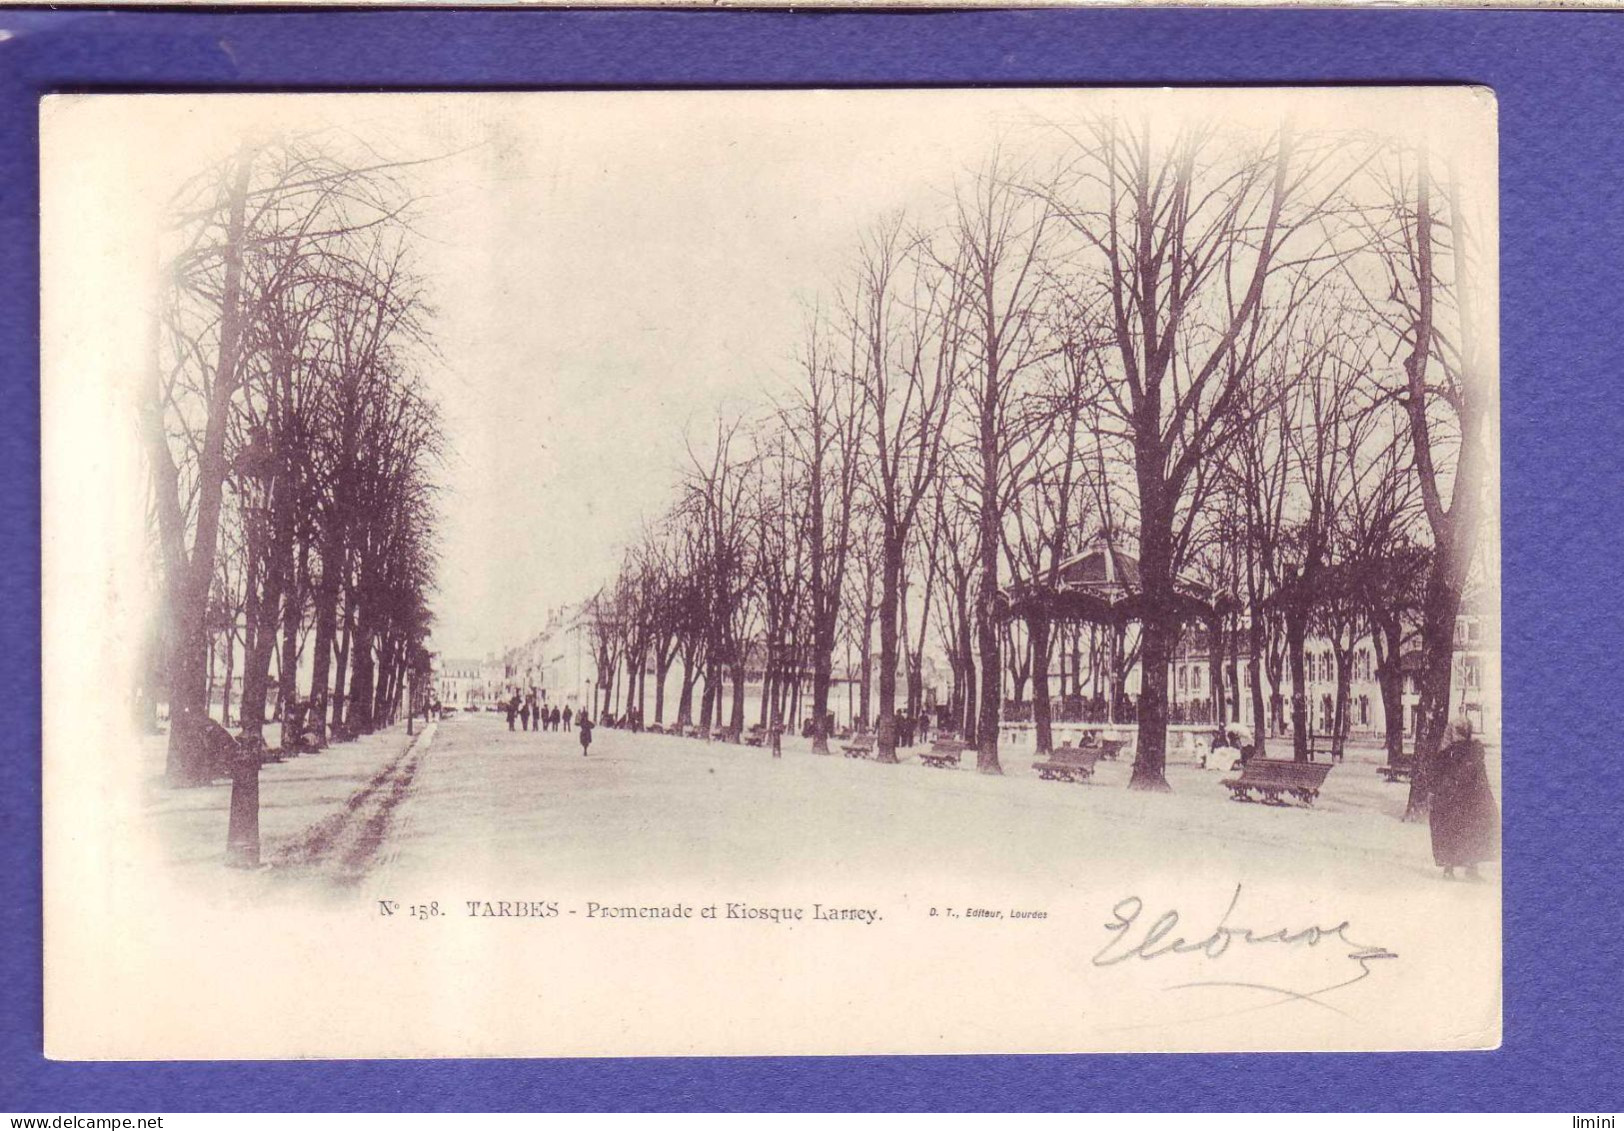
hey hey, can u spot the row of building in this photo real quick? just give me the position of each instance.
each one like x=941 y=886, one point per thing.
x=557 y=664
x=1474 y=686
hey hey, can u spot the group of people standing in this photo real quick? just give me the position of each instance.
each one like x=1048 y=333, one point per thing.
x=533 y=714
x=911 y=729
x=528 y=709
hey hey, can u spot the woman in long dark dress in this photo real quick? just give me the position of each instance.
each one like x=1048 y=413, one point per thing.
x=584 y=725
x=1465 y=819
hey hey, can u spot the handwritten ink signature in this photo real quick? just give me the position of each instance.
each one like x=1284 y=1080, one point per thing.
x=1130 y=940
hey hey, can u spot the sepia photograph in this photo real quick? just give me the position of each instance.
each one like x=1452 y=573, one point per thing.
x=771 y=572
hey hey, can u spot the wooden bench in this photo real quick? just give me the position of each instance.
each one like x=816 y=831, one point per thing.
x=860 y=747
x=1271 y=779
x=1069 y=763
x=944 y=753
x=1110 y=748
x=755 y=736
x=1399 y=771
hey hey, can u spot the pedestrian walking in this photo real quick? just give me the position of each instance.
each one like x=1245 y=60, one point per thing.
x=524 y=716
x=584 y=725
x=1465 y=819
x=511 y=707
x=566 y=716
x=924 y=727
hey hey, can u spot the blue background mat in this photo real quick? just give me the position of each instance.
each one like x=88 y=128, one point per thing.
x=1559 y=77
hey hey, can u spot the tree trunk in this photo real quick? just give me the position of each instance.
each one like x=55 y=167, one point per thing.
x=262 y=620
x=1339 y=729
x=966 y=721
x=769 y=691
x=208 y=683
x=736 y=721
x=710 y=711
x=322 y=658
x=663 y=668
x=865 y=657
x=389 y=663
x=822 y=677
x=916 y=678
x=231 y=676
x=186 y=761
x=358 y=716
x=341 y=670
x=885 y=748
x=685 y=697
x=1440 y=609
x=1155 y=652
x=287 y=676
x=1254 y=668
x=990 y=696
x=794 y=701
x=1119 y=677
x=1296 y=635
x=1388 y=641
x=1042 y=711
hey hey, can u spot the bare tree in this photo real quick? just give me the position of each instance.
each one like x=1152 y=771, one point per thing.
x=1196 y=240
x=905 y=317
x=715 y=501
x=1432 y=309
x=825 y=426
x=996 y=244
x=1048 y=499
x=952 y=543
x=1325 y=434
x=263 y=245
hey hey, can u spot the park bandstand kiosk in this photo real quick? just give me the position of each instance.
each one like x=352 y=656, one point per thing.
x=1101 y=586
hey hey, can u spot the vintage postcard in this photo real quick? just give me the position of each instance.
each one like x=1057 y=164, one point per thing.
x=770 y=572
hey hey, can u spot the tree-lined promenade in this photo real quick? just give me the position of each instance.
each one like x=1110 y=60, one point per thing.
x=1253 y=360
x=293 y=449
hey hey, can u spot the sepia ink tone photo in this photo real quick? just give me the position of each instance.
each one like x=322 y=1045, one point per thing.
x=792 y=572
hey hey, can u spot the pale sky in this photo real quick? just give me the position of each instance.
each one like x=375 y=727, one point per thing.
x=611 y=269
x=618 y=269
x=620 y=266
